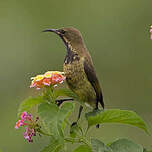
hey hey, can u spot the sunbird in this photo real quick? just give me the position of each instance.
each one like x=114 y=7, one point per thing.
x=79 y=69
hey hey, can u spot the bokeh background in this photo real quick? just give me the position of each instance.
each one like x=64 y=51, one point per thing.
x=117 y=36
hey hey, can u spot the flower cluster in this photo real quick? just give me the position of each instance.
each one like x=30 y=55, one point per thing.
x=151 y=32
x=31 y=126
x=50 y=78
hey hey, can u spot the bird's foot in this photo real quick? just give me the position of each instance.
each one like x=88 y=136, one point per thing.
x=97 y=126
x=60 y=101
x=96 y=110
x=73 y=124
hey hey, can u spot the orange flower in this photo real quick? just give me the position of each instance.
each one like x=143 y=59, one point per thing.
x=49 y=78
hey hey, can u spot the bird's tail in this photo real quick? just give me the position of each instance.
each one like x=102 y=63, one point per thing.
x=101 y=100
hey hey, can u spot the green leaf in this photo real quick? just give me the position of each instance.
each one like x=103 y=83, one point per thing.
x=49 y=115
x=28 y=103
x=65 y=92
x=64 y=112
x=125 y=145
x=54 y=146
x=53 y=117
x=116 y=116
x=145 y=150
x=98 y=146
x=83 y=148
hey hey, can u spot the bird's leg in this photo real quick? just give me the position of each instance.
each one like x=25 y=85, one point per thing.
x=79 y=114
x=80 y=111
x=60 y=101
x=96 y=108
x=97 y=126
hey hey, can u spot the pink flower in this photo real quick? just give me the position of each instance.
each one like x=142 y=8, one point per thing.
x=151 y=32
x=26 y=117
x=23 y=115
x=29 y=133
x=31 y=125
x=49 y=78
x=19 y=123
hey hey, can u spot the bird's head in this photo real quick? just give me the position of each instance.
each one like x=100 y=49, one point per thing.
x=70 y=36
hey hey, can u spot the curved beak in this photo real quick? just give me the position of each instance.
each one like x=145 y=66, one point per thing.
x=52 y=30
x=57 y=31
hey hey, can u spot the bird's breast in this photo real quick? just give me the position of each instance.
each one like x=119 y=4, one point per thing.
x=74 y=72
x=73 y=69
x=78 y=82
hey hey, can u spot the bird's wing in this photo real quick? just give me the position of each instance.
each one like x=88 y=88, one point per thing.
x=91 y=75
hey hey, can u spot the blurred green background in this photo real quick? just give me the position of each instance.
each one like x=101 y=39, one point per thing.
x=117 y=36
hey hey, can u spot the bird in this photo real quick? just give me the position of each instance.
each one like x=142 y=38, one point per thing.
x=79 y=70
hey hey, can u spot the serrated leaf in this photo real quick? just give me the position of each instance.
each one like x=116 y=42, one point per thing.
x=83 y=148
x=116 y=116
x=125 y=145
x=28 y=103
x=98 y=146
x=54 y=117
x=54 y=146
x=64 y=112
x=49 y=115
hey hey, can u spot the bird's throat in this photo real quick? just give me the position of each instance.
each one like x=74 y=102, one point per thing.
x=71 y=54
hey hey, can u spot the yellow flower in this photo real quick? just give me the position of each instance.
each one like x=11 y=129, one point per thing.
x=49 y=78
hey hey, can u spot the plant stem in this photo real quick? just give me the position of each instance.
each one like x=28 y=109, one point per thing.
x=51 y=93
x=43 y=133
x=78 y=140
x=68 y=122
x=86 y=131
x=81 y=130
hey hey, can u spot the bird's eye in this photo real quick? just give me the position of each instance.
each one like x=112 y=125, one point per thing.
x=62 y=31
